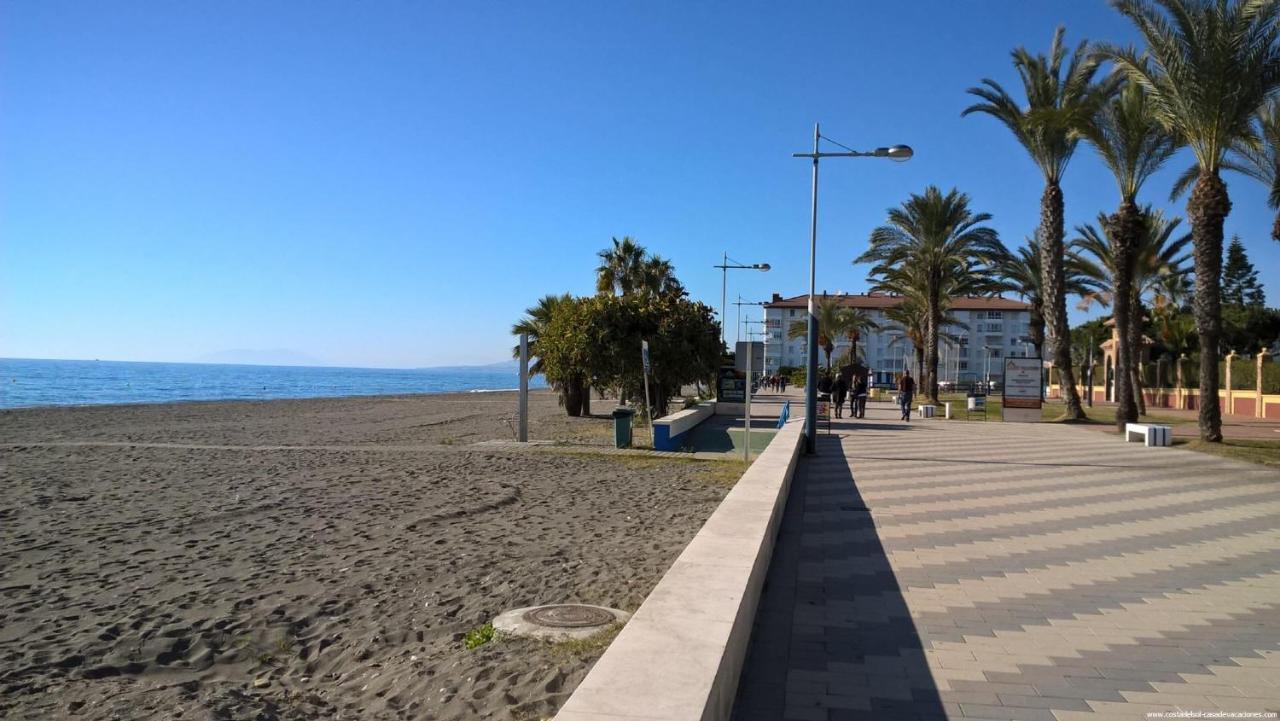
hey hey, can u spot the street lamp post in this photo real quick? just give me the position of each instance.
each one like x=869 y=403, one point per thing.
x=896 y=152
x=738 y=304
x=725 y=266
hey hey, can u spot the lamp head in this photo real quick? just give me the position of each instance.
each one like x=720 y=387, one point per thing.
x=898 y=152
x=762 y=267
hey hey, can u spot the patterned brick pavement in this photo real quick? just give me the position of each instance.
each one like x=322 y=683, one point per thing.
x=1033 y=572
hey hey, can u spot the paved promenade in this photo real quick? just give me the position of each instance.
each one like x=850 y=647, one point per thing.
x=1033 y=572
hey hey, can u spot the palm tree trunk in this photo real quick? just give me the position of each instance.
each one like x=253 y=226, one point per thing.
x=573 y=397
x=931 y=341
x=1275 y=228
x=1135 y=343
x=1124 y=229
x=1055 y=295
x=1208 y=208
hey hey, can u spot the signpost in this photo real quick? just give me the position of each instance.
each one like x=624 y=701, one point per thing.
x=1021 y=390
x=730 y=386
x=644 y=357
x=523 y=433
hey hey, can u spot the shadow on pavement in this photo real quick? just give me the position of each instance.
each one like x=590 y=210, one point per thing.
x=833 y=638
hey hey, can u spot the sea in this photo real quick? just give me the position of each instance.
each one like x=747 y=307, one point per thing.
x=25 y=382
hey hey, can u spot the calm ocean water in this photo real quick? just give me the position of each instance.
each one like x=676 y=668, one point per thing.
x=60 y=382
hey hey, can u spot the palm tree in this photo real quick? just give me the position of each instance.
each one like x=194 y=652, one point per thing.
x=910 y=323
x=1212 y=64
x=1060 y=102
x=1261 y=160
x=1133 y=145
x=536 y=322
x=831 y=324
x=941 y=241
x=1155 y=255
x=621 y=267
x=855 y=322
x=658 y=277
x=1020 y=271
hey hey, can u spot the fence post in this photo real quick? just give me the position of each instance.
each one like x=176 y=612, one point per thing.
x=1181 y=392
x=1258 y=409
x=1231 y=360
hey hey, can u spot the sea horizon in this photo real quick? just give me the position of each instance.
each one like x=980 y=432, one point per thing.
x=43 y=382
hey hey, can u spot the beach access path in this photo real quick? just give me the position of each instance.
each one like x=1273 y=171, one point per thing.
x=1037 y=572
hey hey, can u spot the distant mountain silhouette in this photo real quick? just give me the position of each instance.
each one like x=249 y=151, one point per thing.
x=261 y=357
x=506 y=365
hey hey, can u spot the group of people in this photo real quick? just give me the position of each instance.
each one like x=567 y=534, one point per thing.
x=855 y=389
x=776 y=383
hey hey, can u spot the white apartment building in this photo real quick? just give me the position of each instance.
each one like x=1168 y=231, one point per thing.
x=997 y=328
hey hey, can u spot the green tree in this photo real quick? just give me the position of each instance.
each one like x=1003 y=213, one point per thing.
x=942 y=241
x=568 y=353
x=1240 y=284
x=1208 y=66
x=1062 y=98
x=1153 y=254
x=683 y=337
x=535 y=322
x=831 y=325
x=1020 y=272
x=1133 y=145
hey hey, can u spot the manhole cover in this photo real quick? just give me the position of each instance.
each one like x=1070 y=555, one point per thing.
x=569 y=616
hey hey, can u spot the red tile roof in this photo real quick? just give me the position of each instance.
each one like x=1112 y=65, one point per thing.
x=874 y=301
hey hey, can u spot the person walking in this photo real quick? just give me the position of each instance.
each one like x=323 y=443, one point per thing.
x=839 y=388
x=906 y=389
x=858 y=402
x=782 y=381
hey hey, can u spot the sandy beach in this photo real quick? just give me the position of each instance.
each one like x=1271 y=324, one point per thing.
x=317 y=558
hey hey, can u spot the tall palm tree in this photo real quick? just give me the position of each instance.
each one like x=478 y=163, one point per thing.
x=621 y=267
x=856 y=321
x=1020 y=271
x=1212 y=64
x=1155 y=255
x=941 y=241
x=1133 y=145
x=910 y=323
x=658 y=277
x=1060 y=101
x=831 y=325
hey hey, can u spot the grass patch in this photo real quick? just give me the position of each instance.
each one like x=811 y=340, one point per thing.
x=479 y=636
x=592 y=645
x=1262 y=452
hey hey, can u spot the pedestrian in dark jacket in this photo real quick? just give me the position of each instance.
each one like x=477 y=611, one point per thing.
x=906 y=389
x=839 y=388
x=858 y=402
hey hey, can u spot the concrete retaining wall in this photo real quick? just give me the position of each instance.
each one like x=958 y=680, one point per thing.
x=669 y=432
x=680 y=655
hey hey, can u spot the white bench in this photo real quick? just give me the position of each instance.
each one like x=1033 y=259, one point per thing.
x=1149 y=433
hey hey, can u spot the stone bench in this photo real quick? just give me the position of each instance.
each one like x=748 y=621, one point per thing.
x=1150 y=434
x=928 y=411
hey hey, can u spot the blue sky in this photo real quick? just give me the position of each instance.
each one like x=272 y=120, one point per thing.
x=392 y=183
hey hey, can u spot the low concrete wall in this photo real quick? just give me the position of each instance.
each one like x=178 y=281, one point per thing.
x=680 y=655
x=669 y=432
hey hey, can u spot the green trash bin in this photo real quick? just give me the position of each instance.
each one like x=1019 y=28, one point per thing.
x=622 y=420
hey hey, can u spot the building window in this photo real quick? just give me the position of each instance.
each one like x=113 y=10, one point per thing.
x=994 y=314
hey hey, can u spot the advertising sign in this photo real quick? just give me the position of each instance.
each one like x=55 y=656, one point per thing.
x=755 y=348
x=1021 y=389
x=731 y=386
